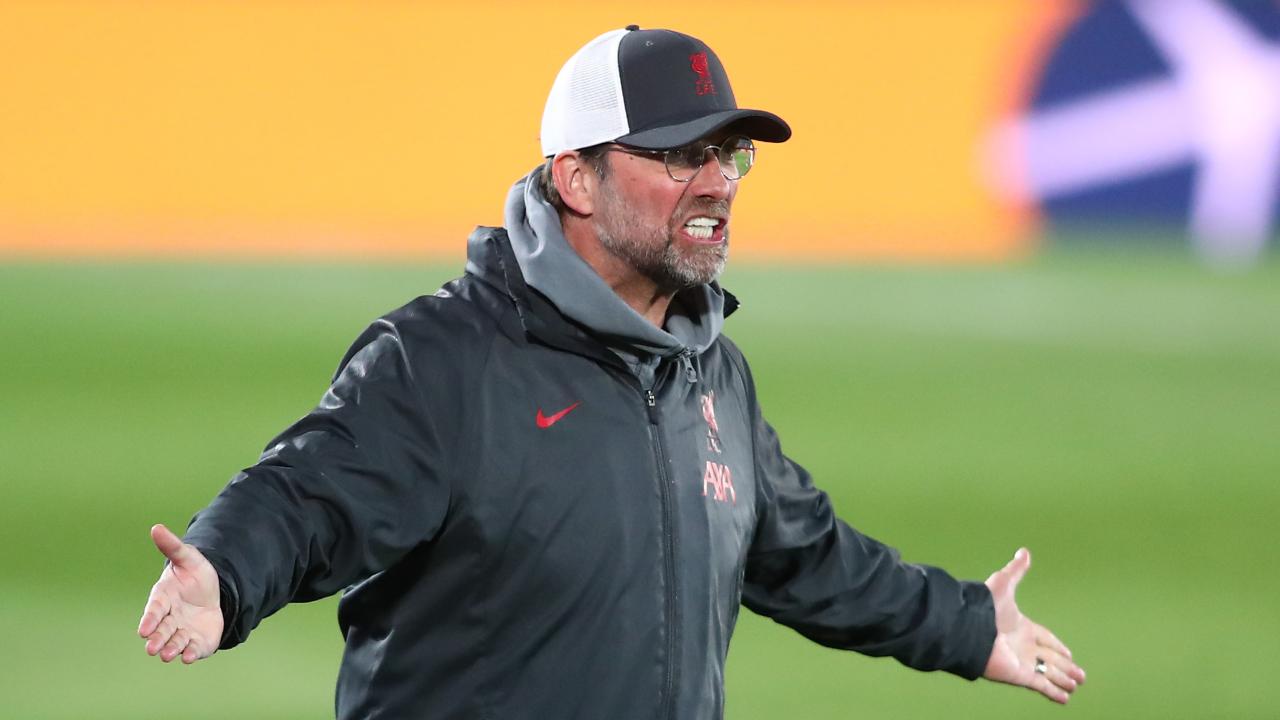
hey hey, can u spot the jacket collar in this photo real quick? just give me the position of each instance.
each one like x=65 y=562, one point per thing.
x=491 y=259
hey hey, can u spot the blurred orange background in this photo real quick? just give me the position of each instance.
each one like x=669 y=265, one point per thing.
x=390 y=129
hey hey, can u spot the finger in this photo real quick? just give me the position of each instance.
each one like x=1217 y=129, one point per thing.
x=192 y=653
x=199 y=648
x=171 y=545
x=175 y=646
x=1056 y=669
x=1062 y=679
x=1045 y=638
x=1017 y=567
x=164 y=631
x=1064 y=661
x=1072 y=670
x=1060 y=670
x=157 y=607
x=1045 y=687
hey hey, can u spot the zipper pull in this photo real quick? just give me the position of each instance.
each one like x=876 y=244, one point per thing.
x=651 y=401
x=690 y=374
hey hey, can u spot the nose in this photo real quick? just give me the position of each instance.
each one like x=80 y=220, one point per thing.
x=709 y=182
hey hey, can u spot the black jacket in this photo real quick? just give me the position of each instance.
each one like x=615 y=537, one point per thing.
x=526 y=532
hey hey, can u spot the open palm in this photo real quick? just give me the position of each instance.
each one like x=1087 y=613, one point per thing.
x=183 y=616
x=1022 y=646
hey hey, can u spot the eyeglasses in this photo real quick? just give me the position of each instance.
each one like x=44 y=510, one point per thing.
x=736 y=155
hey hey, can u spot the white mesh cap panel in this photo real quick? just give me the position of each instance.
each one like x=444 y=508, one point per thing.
x=585 y=106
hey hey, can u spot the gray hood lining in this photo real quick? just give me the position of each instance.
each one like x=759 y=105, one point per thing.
x=554 y=269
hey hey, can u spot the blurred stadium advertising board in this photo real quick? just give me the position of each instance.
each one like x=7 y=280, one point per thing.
x=1155 y=112
x=923 y=129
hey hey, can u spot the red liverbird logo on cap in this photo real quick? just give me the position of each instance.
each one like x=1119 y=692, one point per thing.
x=698 y=61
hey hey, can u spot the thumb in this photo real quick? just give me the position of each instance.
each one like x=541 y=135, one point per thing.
x=1008 y=577
x=1017 y=567
x=171 y=545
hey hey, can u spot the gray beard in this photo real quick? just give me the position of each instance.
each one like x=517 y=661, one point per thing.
x=653 y=251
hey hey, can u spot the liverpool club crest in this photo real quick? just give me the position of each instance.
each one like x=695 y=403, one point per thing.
x=709 y=414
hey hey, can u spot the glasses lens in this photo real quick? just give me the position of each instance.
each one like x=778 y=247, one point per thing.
x=684 y=162
x=737 y=155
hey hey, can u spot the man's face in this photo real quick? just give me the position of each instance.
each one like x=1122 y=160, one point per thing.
x=674 y=233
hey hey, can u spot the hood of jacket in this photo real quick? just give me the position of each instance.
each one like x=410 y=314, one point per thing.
x=552 y=268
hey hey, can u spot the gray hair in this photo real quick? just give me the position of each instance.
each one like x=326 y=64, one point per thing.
x=595 y=157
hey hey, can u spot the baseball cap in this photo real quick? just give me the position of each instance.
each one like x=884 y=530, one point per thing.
x=652 y=89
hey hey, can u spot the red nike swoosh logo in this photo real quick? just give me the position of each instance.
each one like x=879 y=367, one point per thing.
x=545 y=422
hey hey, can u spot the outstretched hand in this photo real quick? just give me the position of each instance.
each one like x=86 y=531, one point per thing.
x=1026 y=653
x=183 y=614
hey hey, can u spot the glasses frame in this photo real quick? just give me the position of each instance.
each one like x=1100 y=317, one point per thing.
x=680 y=152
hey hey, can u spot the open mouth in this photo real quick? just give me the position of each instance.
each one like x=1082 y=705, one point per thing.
x=703 y=228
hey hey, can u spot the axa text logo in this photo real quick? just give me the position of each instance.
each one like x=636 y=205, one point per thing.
x=719 y=481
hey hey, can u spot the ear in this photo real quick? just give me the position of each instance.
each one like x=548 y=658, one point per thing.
x=576 y=181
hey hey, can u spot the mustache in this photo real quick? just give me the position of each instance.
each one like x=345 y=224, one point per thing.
x=700 y=206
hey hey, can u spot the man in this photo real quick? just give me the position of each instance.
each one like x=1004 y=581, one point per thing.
x=548 y=488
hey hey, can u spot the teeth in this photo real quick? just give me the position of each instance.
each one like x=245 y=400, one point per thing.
x=701 y=227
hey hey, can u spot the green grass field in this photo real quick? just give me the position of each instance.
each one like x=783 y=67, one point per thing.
x=1119 y=413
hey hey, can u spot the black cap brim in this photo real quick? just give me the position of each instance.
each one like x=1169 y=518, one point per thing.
x=755 y=124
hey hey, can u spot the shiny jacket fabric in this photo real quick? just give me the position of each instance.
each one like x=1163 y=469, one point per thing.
x=526 y=532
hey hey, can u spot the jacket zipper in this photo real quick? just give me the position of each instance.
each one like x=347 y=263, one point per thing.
x=670 y=538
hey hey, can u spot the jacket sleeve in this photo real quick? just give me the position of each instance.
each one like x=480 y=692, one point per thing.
x=810 y=571
x=341 y=495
